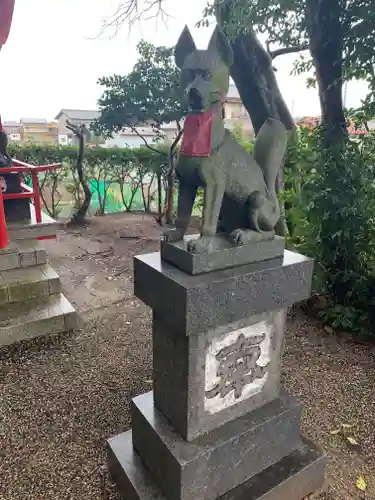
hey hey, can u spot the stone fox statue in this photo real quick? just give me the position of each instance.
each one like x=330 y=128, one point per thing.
x=239 y=188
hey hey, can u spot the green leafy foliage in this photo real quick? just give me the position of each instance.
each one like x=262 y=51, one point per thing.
x=148 y=94
x=241 y=136
x=330 y=209
x=284 y=24
x=281 y=20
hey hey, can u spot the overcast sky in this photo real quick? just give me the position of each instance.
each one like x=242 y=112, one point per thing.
x=53 y=57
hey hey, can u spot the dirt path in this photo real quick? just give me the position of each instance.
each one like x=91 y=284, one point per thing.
x=62 y=398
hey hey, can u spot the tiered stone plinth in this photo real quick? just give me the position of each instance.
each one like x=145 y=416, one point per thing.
x=31 y=301
x=217 y=425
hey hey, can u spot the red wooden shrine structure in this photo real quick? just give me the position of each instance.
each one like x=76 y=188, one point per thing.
x=18 y=167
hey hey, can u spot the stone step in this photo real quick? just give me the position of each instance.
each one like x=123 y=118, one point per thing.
x=24 y=253
x=33 y=318
x=24 y=283
x=30 y=228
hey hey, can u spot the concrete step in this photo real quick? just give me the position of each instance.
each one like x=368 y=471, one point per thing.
x=33 y=318
x=24 y=283
x=25 y=253
x=30 y=228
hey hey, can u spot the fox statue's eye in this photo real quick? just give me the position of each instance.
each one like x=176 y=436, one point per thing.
x=206 y=75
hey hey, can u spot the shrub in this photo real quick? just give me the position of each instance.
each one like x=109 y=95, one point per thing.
x=133 y=171
x=330 y=199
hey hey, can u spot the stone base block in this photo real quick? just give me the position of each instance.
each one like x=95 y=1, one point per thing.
x=225 y=254
x=18 y=285
x=29 y=229
x=219 y=461
x=194 y=304
x=24 y=254
x=292 y=478
x=201 y=382
x=48 y=315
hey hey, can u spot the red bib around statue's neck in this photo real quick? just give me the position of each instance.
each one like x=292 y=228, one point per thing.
x=196 y=138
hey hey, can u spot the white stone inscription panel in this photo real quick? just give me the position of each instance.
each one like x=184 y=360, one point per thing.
x=236 y=366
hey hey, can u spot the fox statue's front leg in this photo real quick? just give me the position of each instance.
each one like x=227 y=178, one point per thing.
x=186 y=197
x=213 y=198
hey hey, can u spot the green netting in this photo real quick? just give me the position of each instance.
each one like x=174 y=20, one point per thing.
x=114 y=201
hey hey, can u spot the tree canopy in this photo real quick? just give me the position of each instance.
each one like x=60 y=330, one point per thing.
x=346 y=26
x=343 y=28
x=148 y=94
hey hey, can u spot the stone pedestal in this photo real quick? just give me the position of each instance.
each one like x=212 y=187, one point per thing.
x=217 y=425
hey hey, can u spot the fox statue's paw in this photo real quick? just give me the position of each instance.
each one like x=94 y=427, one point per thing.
x=201 y=245
x=244 y=236
x=173 y=234
x=238 y=236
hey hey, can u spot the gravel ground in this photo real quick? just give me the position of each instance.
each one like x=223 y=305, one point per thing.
x=62 y=397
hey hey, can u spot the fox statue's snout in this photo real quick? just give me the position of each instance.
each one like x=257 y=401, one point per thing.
x=199 y=90
x=195 y=99
x=204 y=73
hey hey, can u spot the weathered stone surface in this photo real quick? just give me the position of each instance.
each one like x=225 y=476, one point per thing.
x=194 y=304
x=10 y=248
x=4 y=295
x=23 y=254
x=31 y=252
x=36 y=317
x=72 y=320
x=9 y=261
x=31 y=304
x=29 y=282
x=185 y=370
x=292 y=478
x=219 y=461
x=30 y=228
x=225 y=254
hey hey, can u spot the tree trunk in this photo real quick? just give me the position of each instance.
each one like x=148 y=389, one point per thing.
x=324 y=24
x=79 y=216
x=254 y=76
x=170 y=176
x=255 y=79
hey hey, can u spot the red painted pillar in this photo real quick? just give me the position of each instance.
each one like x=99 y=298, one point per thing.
x=6 y=15
x=3 y=226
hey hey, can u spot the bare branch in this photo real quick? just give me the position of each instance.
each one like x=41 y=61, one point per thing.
x=134 y=129
x=176 y=140
x=78 y=130
x=286 y=50
x=131 y=12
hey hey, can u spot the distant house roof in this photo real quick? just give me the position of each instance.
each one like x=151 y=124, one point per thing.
x=11 y=124
x=233 y=92
x=79 y=114
x=41 y=121
x=313 y=121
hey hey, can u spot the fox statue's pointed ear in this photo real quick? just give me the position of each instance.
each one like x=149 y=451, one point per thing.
x=184 y=47
x=219 y=45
